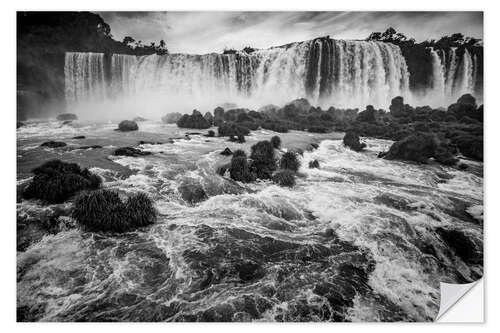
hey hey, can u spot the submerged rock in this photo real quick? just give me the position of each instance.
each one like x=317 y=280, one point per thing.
x=314 y=164
x=138 y=119
x=130 y=151
x=78 y=137
x=192 y=191
x=226 y=152
x=90 y=147
x=67 y=116
x=464 y=245
x=127 y=126
x=53 y=144
x=351 y=140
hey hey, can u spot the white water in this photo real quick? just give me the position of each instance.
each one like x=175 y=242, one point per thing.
x=76 y=275
x=327 y=72
x=453 y=76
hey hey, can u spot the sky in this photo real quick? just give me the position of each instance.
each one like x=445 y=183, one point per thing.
x=205 y=32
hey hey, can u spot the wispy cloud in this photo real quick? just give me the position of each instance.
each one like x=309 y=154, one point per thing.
x=203 y=32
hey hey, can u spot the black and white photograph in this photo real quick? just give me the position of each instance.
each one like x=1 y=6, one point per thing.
x=247 y=166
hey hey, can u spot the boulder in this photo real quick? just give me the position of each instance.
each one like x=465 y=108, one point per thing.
x=218 y=116
x=400 y=110
x=351 y=140
x=419 y=147
x=226 y=152
x=127 y=126
x=19 y=124
x=195 y=120
x=66 y=116
x=369 y=115
x=314 y=164
x=208 y=116
x=130 y=151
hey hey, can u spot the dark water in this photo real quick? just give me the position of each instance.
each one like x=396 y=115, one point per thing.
x=354 y=240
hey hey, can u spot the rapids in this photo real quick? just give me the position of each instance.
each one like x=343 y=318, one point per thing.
x=354 y=240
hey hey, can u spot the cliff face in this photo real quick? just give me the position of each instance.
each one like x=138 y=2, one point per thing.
x=42 y=40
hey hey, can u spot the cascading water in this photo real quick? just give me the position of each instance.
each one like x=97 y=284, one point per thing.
x=438 y=74
x=328 y=72
x=453 y=76
x=84 y=76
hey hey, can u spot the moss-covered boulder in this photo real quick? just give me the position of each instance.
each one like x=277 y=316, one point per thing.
x=56 y=181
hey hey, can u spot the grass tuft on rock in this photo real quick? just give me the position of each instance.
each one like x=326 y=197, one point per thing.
x=290 y=161
x=56 y=181
x=284 y=178
x=263 y=162
x=103 y=210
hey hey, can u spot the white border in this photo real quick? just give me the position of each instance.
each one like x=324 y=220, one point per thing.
x=8 y=166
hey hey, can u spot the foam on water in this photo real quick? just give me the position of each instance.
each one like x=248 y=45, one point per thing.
x=382 y=214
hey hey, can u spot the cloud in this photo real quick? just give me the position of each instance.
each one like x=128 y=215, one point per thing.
x=203 y=32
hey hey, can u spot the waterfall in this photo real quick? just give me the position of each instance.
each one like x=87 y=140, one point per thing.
x=84 y=77
x=327 y=72
x=467 y=73
x=452 y=76
x=438 y=75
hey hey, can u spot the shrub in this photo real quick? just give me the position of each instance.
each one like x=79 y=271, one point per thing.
x=239 y=169
x=318 y=129
x=275 y=126
x=290 y=161
x=56 y=181
x=239 y=153
x=284 y=178
x=127 y=125
x=470 y=146
x=104 y=211
x=276 y=142
x=231 y=129
x=262 y=156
